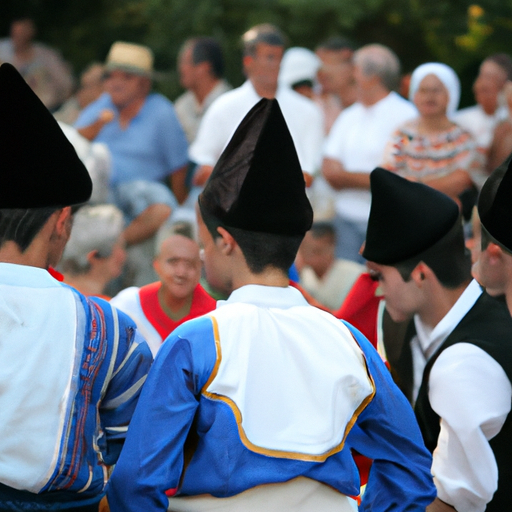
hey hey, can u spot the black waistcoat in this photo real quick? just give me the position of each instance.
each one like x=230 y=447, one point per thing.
x=487 y=325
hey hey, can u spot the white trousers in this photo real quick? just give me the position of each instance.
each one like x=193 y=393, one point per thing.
x=298 y=495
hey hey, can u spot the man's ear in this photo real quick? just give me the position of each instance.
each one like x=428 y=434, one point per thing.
x=420 y=273
x=91 y=256
x=247 y=62
x=157 y=265
x=64 y=221
x=494 y=252
x=226 y=241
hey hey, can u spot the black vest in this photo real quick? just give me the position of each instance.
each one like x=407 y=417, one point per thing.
x=487 y=325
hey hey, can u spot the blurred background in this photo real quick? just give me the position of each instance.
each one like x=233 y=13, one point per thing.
x=457 y=32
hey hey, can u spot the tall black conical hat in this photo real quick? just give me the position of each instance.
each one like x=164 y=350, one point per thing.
x=257 y=183
x=39 y=166
x=495 y=204
x=406 y=218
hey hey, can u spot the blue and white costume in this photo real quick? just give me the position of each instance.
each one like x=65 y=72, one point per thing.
x=71 y=370
x=274 y=389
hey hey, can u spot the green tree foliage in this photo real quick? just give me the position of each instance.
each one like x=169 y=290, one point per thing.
x=458 y=32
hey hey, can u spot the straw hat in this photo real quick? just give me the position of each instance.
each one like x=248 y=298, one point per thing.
x=132 y=58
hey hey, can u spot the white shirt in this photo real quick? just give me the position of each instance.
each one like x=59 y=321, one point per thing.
x=472 y=394
x=128 y=301
x=479 y=124
x=220 y=121
x=190 y=111
x=332 y=288
x=357 y=140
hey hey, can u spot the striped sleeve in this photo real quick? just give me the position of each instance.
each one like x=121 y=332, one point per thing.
x=129 y=366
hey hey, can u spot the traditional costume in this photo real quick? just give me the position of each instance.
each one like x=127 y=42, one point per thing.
x=71 y=368
x=257 y=405
x=143 y=307
x=459 y=372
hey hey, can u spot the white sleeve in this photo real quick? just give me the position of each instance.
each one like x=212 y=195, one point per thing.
x=472 y=394
x=211 y=137
x=310 y=152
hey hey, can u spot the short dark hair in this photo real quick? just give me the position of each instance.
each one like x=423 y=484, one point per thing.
x=265 y=33
x=448 y=258
x=504 y=61
x=260 y=250
x=336 y=44
x=208 y=49
x=21 y=225
x=323 y=228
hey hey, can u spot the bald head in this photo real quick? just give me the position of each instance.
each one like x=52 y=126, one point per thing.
x=178 y=265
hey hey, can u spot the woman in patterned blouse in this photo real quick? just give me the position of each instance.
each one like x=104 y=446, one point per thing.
x=431 y=148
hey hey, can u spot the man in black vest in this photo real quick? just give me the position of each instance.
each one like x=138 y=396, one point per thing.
x=455 y=362
x=494 y=266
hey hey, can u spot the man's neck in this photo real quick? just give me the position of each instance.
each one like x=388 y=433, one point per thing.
x=34 y=256
x=270 y=276
x=347 y=95
x=442 y=299
x=374 y=96
x=128 y=112
x=175 y=308
x=24 y=52
x=204 y=88
x=265 y=90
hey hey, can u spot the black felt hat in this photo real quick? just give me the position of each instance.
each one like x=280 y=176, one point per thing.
x=495 y=204
x=257 y=183
x=39 y=166
x=406 y=218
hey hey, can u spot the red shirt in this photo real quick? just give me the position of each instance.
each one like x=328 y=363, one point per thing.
x=201 y=303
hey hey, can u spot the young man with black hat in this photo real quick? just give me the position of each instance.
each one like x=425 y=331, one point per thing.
x=257 y=405
x=455 y=364
x=71 y=368
x=494 y=266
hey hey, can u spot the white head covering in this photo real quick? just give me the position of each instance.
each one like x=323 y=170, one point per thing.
x=447 y=76
x=298 y=64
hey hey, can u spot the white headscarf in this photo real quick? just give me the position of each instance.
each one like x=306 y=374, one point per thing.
x=447 y=76
x=298 y=64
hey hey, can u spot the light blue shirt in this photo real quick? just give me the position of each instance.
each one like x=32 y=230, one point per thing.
x=151 y=147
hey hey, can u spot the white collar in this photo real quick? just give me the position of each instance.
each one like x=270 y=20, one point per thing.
x=266 y=296
x=430 y=339
x=24 y=275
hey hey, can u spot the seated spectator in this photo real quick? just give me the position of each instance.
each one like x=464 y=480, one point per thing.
x=327 y=278
x=145 y=139
x=481 y=119
x=41 y=67
x=94 y=254
x=432 y=148
x=158 y=308
x=148 y=148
